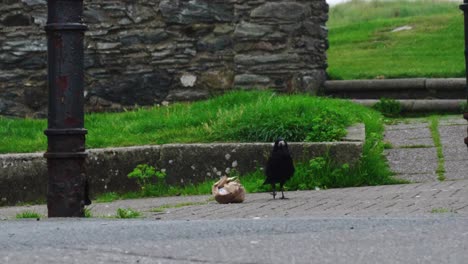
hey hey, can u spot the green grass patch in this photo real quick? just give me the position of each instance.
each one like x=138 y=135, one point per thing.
x=363 y=46
x=441 y=211
x=127 y=213
x=28 y=214
x=233 y=117
x=434 y=127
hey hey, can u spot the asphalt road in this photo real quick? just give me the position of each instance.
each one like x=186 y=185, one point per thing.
x=436 y=239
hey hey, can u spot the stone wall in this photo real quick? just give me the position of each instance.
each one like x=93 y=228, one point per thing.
x=144 y=52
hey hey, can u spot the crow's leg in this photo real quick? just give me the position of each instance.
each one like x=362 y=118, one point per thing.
x=274 y=190
x=282 y=191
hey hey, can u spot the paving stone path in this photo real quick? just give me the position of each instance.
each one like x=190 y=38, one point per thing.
x=424 y=199
x=413 y=157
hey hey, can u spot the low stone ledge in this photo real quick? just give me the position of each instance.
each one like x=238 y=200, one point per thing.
x=375 y=85
x=23 y=177
x=422 y=106
x=415 y=88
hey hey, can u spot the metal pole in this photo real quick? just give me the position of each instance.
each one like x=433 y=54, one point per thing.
x=464 y=7
x=66 y=152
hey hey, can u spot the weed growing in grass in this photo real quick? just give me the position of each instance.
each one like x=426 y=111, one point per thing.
x=148 y=178
x=388 y=107
x=127 y=213
x=146 y=174
x=324 y=128
x=28 y=214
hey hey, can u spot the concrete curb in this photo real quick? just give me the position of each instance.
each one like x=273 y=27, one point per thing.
x=414 y=88
x=23 y=177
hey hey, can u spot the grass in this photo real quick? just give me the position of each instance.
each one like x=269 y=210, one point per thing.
x=28 y=214
x=234 y=117
x=434 y=127
x=363 y=46
x=441 y=211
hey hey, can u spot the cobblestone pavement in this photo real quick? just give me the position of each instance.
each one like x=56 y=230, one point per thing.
x=413 y=157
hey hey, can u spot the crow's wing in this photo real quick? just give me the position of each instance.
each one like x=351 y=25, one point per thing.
x=270 y=169
x=279 y=168
x=287 y=167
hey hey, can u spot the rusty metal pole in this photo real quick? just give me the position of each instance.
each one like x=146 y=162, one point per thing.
x=464 y=7
x=66 y=152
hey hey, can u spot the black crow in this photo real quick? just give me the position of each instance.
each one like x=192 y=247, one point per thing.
x=279 y=167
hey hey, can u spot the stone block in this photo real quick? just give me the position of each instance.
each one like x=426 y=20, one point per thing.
x=136 y=89
x=34 y=2
x=216 y=80
x=413 y=161
x=246 y=30
x=286 y=10
x=196 y=11
x=16 y=20
x=213 y=43
x=265 y=59
x=187 y=95
x=251 y=80
x=143 y=36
